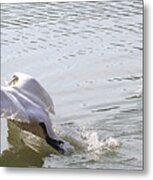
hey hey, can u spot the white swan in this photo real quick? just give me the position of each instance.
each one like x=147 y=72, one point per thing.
x=27 y=104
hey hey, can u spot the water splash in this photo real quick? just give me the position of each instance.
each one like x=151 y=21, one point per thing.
x=97 y=147
x=86 y=148
x=81 y=140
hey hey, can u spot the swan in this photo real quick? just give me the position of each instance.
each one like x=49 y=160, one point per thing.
x=25 y=102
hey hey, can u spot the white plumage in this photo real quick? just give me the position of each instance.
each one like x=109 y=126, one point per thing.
x=28 y=104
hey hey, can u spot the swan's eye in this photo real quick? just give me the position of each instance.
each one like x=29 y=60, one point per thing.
x=14 y=80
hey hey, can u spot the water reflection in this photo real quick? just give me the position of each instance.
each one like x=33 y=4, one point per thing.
x=24 y=149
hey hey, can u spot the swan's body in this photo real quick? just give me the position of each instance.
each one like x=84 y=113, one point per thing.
x=27 y=103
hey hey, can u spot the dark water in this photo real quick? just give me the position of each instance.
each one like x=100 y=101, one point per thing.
x=88 y=55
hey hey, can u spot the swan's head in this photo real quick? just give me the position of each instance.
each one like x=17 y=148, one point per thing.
x=13 y=81
x=17 y=78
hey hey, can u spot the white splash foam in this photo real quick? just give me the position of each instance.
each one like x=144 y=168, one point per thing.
x=88 y=142
x=97 y=148
x=94 y=144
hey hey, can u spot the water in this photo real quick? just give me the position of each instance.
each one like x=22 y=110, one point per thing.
x=88 y=55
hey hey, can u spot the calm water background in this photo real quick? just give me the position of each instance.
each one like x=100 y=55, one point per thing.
x=88 y=55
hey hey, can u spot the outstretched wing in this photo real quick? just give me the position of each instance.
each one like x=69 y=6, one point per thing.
x=24 y=112
x=11 y=108
x=32 y=89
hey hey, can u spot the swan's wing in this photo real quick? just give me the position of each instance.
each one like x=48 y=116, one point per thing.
x=31 y=88
x=11 y=108
x=41 y=94
x=36 y=114
x=24 y=112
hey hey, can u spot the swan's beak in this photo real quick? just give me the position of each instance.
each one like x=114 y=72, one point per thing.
x=13 y=80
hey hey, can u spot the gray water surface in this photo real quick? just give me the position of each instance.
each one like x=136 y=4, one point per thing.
x=88 y=55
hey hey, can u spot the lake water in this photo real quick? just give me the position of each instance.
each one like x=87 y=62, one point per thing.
x=88 y=55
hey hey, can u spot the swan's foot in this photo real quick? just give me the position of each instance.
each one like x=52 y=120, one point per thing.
x=56 y=144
